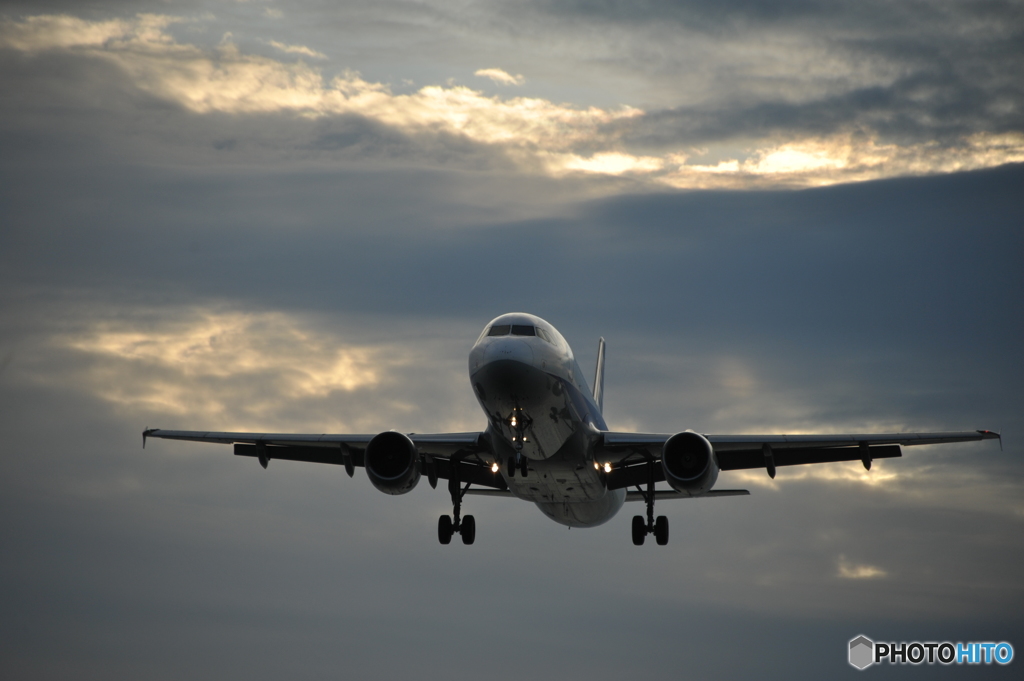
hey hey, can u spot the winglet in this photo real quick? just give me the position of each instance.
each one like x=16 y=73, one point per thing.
x=146 y=433
x=599 y=376
x=989 y=435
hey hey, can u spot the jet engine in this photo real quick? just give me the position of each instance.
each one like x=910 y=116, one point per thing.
x=392 y=463
x=688 y=461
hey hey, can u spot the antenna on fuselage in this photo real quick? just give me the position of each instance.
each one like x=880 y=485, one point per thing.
x=599 y=376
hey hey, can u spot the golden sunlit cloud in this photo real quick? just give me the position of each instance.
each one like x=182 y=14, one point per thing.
x=848 y=570
x=540 y=136
x=607 y=163
x=839 y=472
x=297 y=49
x=501 y=77
x=843 y=157
x=211 y=363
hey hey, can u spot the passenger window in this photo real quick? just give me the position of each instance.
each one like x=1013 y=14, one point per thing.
x=499 y=330
x=522 y=330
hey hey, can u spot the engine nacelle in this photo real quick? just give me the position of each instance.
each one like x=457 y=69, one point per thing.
x=688 y=461
x=392 y=463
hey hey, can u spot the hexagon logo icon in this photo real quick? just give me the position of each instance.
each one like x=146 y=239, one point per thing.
x=862 y=652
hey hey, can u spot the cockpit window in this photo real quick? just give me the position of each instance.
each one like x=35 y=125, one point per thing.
x=522 y=330
x=498 y=330
x=544 y=334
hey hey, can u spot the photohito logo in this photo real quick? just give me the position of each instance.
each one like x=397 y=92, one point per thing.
x=864 y=652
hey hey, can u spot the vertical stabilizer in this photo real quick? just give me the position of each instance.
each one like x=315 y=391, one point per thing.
x=599 y=377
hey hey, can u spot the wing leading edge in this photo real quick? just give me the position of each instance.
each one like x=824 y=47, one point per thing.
x=440 y=450
x=631 y=455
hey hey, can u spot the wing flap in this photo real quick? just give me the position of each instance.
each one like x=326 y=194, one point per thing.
x=661 y=494
x=754 y=458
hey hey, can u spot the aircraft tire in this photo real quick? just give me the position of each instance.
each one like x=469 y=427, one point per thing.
x=468 y=530
x=639 y=530
x=511 y=468
x=661 y=530
x=444 y=529
x=523 y=466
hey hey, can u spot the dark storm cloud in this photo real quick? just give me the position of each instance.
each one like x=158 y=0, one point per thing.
x=876 y=13
x=928 y=106
x=933 y=70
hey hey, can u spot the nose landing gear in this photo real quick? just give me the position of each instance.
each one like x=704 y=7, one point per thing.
x=518 y=461
x=518 y=422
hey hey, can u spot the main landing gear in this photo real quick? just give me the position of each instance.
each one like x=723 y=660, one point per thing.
x=641 y=529
x=446 y=528
x=659 y=527
x=449 y=525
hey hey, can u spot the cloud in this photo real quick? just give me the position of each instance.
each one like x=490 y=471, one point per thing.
x=848 y=570
x=298 y=49
x=48 y=32
x=841 y=158
x=219 y=365
x=500 y=77
x=535 y=134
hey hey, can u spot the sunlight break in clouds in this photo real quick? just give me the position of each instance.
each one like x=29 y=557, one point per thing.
x=538 y=135
x=848 y=570
x=213 y=362
x=500 y=77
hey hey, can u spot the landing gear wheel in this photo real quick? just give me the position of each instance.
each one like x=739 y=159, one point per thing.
x=511 y=466
x=661 y=530
x=523 y=462
x=468 y=529
x=444 y=529
x=639 y=530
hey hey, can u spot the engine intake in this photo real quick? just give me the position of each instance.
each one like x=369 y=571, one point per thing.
x=688 y=461
x=392 y=463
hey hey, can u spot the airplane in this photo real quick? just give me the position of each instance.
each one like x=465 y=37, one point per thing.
x=546 y=442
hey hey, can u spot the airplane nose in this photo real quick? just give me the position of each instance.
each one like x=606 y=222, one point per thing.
x=509 y=348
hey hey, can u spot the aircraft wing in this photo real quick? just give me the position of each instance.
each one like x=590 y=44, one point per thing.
x=629 y=453
x=347 y=450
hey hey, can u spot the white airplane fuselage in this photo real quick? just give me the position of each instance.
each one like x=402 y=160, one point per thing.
x=538 y=406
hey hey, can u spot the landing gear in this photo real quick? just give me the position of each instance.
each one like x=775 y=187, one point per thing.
x=518 y=422
x=639 y=530
x=468 y=530
x=642 y=528
x=661 y=530
x=449 y=525
x=464 y=526
x=518 y=461
x=445 y=529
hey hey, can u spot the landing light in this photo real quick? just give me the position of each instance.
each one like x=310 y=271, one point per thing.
x=513 y=421
x=597 y=466
x=494 y=467
x=607 y=468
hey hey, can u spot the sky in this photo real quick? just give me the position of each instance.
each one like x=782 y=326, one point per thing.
x=784 y=217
